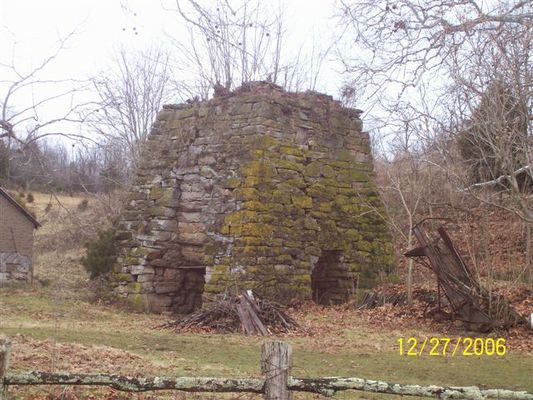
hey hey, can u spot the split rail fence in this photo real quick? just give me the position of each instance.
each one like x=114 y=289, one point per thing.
x=276 y=384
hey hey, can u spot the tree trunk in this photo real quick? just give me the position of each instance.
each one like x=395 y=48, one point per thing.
x=410 y=269
x=529 y=260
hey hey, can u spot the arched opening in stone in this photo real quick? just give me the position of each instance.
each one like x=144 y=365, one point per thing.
x=189 y=297
x=331 y=280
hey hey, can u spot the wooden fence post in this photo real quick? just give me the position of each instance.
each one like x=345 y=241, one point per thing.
x=5 y=349
x=276 y=364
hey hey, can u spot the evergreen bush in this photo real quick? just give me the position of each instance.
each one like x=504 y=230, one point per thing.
x=101 y=254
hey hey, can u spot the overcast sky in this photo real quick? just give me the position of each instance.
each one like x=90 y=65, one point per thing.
x=30 y=31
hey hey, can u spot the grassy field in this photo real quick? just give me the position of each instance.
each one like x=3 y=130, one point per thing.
x=54 y=327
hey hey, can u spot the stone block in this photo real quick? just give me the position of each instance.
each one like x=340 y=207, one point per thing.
x=167 y=287
x=146 y=278
x=190 y=227
x=159 y=262
x=173 y=275
x=193 y=254
x=140 y=269
x=190 y=217
x=157 y=302
x=193 y=238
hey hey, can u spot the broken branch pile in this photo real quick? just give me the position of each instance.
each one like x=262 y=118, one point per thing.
x=241 y=313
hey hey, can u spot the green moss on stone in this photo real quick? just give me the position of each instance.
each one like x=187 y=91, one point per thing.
x=247 y=193
x=134 y=287
x=296 y=182
x=122 y=277
x=259 y=169
x=135 y=301
x=156 y=192
x=166 y=198
x=286 y=164
x=131 y=261
x=352 y=235
x=352 y=175
x=313 y=169
x=140 y=252
x=352 y=209
x=292 y=150
x=344 y=155
x=281 y=196
x=310 y=223
x=288 y=211
x=364 y=246
x=258 y=230
x=324 y=207
x=303 y=202
x=251 y=181
x=341 y=200
x=231 y=183
x=255 y=205
x=318 y=191
x=158 y=211
x=250 y=241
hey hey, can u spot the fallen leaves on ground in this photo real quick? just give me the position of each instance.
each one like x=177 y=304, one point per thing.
x=46 y=355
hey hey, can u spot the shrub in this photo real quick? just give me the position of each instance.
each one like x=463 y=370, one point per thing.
x=101 y=254
x=48 y=207
x=83 y=205
x=29 y=197
x=22 y=202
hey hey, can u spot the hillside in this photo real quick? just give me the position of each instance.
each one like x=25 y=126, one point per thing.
x=58 y=325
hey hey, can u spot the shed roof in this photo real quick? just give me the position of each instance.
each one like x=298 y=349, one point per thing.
x=19 y=206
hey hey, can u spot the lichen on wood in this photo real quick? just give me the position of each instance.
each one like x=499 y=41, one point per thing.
x=329 y=386
x=129 y=384
x=325 y=386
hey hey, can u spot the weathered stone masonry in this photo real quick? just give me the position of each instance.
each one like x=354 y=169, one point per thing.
x=260 y=189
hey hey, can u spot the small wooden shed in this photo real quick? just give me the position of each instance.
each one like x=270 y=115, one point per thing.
x=17 y=226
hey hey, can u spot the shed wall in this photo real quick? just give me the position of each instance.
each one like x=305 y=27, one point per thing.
x=16 y=244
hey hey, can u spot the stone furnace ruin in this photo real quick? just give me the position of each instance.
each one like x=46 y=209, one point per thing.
x=260 y=189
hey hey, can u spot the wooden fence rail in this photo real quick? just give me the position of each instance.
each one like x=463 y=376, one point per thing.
x=277 y=384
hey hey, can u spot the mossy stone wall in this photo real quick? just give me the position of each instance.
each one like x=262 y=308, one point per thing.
x=253 y=191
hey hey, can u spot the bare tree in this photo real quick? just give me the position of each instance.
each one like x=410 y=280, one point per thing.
x=33 y=107
x=456 y=52
x=398 y=42
x=130 y=95
x=497 y=127
x=230 y=43
x=409 y=187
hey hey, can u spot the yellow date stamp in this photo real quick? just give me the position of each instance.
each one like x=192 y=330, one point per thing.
x=443 y=346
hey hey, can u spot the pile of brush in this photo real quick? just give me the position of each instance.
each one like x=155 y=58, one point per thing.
x=244 y=313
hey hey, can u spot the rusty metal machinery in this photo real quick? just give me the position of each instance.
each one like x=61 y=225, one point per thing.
x=480 y=309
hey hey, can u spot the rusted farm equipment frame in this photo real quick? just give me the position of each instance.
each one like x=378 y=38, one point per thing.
x=480 y=309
